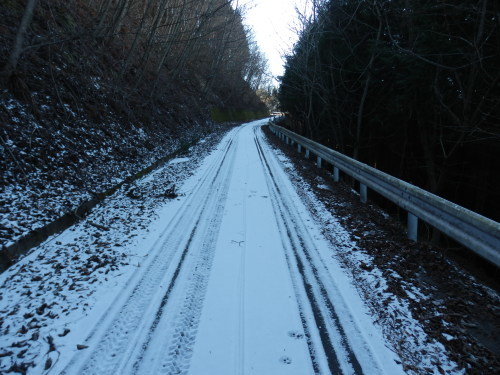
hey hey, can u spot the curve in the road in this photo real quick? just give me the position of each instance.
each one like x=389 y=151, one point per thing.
x=190 y=307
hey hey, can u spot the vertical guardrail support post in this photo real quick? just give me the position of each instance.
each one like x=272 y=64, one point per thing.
x=318 y=162
x=412 y=227
x=363 y=193
x=299 y=148
x=476 y=232
x=336 y=176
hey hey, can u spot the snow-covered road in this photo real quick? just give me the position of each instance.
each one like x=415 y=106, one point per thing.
x=238 y=280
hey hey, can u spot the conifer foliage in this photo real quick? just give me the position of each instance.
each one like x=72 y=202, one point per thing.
x=411 y=87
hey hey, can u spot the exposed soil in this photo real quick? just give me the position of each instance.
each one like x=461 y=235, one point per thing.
x=457 y=306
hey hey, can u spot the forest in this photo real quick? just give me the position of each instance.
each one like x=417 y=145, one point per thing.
x=409 y=87
x=136 y=46
x=95 y=91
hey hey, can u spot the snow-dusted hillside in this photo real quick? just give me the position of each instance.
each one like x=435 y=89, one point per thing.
x=51 y=165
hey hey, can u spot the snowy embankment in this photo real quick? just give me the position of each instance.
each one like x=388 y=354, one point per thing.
x=50 y=166
x=232 y=276
x=48 y=286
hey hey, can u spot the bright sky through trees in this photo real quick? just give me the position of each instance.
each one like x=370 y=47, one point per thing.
x=275 y=25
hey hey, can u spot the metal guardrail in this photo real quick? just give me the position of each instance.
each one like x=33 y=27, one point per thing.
x=476 y=232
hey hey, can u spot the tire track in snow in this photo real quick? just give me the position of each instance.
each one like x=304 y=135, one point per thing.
x=114 y=338
x=307 y=326
x=181 y=325
x=307 y=281
x=240 y=353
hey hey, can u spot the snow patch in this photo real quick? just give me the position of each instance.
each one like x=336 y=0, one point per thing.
x=178 y=160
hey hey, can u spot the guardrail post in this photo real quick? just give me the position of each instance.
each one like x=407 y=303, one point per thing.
x=412 y=227
x=363 y=193
x=476 y=232
x=318 y=162
x=299 y=148
x=336 y=177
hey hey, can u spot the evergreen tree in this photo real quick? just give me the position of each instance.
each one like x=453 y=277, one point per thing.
x=412 y=87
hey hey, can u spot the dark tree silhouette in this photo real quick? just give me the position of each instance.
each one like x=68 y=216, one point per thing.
x=412 y=88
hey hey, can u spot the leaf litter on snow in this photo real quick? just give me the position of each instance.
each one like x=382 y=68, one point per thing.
x=71 y=276
x=50 y=166
x=389 y=308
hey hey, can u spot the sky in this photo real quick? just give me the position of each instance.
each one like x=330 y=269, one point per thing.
x=274 y=23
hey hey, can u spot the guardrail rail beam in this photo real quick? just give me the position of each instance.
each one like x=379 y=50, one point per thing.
x=476 y=232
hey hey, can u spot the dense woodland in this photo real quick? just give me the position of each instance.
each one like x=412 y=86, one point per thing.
x=141 y=49
x=410 y=87
x=94 y=91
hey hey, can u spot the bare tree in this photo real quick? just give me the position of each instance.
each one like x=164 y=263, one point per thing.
x=17 y=47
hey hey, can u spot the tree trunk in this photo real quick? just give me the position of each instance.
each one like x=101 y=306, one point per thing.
x=17 y=49
x=361 y=108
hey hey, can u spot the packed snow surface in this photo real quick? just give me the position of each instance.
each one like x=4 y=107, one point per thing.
x=232 y=277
